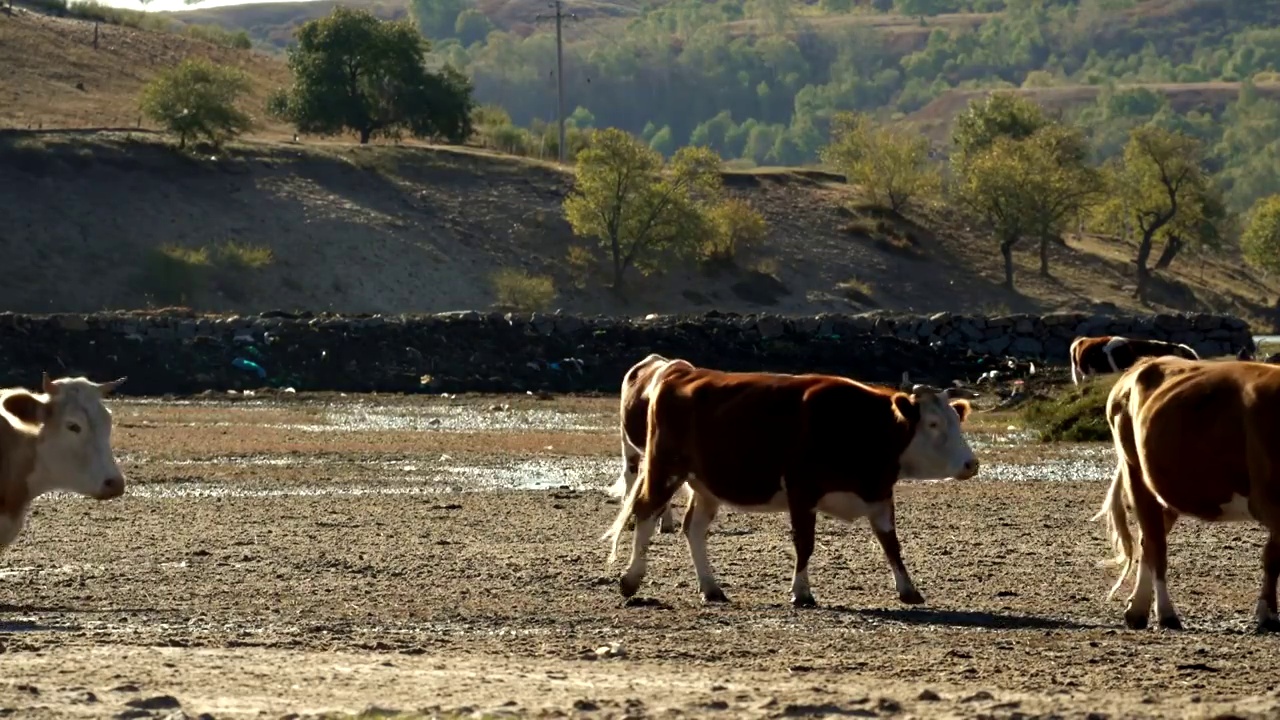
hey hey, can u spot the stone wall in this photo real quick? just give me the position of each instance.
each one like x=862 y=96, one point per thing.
x=473 y=352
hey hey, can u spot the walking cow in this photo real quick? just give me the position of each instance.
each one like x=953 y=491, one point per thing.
x=1199 y=439
x=1114 y=353
x=634 y=422
x=799 y=444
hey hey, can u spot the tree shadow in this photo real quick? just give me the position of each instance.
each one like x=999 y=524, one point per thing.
x=968 y=619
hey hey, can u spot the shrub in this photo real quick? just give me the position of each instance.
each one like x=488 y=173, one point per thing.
x=172 y=274
x=198 y=99
x=735 y=226
x=216 y=35
x=519 y=291
x=1077 y=414
x=581 y=262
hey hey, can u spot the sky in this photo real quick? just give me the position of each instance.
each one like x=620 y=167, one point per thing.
x=172 y=5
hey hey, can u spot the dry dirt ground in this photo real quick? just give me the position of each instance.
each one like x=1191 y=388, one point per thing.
x=328 y=554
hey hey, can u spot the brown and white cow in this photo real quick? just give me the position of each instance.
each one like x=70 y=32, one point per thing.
x=633 y=422
x=799 y=444
x=59 y=439
x=1114 y=353
x=1198 y=439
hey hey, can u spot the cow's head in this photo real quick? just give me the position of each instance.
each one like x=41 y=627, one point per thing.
x=938 y=448
x=73 y=442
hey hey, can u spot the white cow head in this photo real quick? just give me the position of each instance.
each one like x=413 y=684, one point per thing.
x=938 y=449
x=73 y=442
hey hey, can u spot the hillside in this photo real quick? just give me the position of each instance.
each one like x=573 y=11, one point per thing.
x=935 y=119
x=386 y=229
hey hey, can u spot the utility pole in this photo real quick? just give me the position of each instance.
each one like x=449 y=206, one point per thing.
x=559 y=16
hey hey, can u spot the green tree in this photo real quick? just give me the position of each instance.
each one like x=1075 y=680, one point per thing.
x=352 y=71
x=918 y=8
x=640 y=211
x=472 y=26
x=735 y=226
x=1260 y=241
x=1027 y=187
x=890 y=165
x=1160 y=189
x=197 y=99
x=1000 y=114
x=1062 y=185
x=437 y=18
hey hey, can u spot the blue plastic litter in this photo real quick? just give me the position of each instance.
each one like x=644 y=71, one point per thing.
x=250 y=366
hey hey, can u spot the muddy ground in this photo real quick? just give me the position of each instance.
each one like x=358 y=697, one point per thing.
x=339 y=554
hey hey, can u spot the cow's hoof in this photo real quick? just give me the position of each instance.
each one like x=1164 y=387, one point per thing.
x=667 y=528
x=803 y=601
x=1171 y=623
x=627 y=586
x=714 y=596
x=912 y=597
x=1134 y=621
x=1267 y=625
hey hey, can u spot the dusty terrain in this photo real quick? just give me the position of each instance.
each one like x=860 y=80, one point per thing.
x=328 y=554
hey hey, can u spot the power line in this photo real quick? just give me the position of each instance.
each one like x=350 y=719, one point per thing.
x=559 y=16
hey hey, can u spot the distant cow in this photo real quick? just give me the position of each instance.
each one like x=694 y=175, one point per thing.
x=1113 y=354
x=56 y=440
x=1247 y=354
x=1198 y=439
x=634 y=421
x=799 y=444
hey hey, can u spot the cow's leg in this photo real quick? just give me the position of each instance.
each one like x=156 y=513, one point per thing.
x=631 y=459
x=884 y=526
x=1166 y=613
x=698 y=516
x=804 y=521
x=645 y=511
x=1152 y=560
x=1266 y=614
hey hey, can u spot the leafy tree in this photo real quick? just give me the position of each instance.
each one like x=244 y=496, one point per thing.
x=639 y=210
x=1157 y=187
x=1062 y=185
x=919 y=8
x=1260 y=242
x=437 y=18
x=1027 y=187
x=890 y=165
x=197 y=99
x=735 y=225
x=352 y=71
x=472 y=26
x=1000 y=114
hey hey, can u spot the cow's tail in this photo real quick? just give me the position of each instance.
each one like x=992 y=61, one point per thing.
x=1117 y=524
x=620 y=522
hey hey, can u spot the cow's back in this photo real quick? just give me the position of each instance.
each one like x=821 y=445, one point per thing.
x=1200 y=421
x=743 y=433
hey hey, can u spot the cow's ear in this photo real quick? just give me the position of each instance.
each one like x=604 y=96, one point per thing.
x=26 y=407
x=904 y=406
x=962 y=408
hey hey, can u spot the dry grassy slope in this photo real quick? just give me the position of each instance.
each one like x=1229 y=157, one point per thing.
x=386 y=229
x=53 y=78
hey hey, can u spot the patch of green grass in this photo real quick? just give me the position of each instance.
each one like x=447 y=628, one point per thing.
x=520 y=291
x=1077 y=413
x=173 y=274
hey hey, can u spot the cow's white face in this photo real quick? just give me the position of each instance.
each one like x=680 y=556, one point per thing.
x=73 y=447
x=938 y=449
